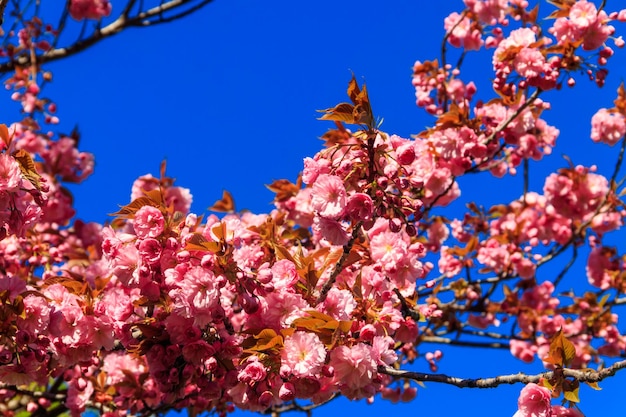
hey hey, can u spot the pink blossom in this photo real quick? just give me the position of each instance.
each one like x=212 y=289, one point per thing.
x=284 y=275
x=534 y=401
x=607 y=127
x=281 y=308
x=462 y=32
x=488 y=11
x=382 y=350
x=89 y=9
x=596 y=34
x=328 y=196
x=523 y=350
x=313 y=168
x=560 y=411
x=78 y=394
x=303 y=354
x=115 y=363
x=448 y=264
x=10 y=173
x=354 y=368
x=339 y=304
x=583 y=14
x=331 y=230
x=178 y=197
x=494 y=255
x=601 y=268
x=198 y=294
x=564 y=30
x=529 y=63
x=437 y=234
x=359 y=207
x=253 y=372
x=149 y=222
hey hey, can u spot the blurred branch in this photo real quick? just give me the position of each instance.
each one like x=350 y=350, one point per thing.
x=3 y=6
x=164 y=13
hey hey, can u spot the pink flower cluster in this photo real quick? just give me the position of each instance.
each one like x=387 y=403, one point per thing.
x=522 y=52
x=535 y=401
x=89 y=9
x=607 y=127
x=584 y=23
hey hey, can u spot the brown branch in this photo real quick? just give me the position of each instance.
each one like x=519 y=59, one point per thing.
x=294 y=406
x=3 y=6
x=142 y=19
x=339 y=265
x=35 y=394
x=493 y=382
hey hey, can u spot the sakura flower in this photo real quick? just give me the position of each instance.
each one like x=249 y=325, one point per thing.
x=303 y=355
x=462 y=32
x=149 y=222
x=354 y=369
x=339 y=303
x=115 y=363
x=382 y=350
x=607 y=127
x=601 y=268
x=10 y=174
x=253 y=372
x=583 y=14
x=359 y=207
x=328 y=196
x=331 y=230
x=488 y=11
x=534 y=401
x=522 y=350
x=89 y=9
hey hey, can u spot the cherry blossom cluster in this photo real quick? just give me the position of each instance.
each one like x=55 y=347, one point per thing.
x=336 y=287
x=90 y=9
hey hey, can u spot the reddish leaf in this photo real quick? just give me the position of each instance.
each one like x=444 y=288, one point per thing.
x=353 y=89
x=4 y=134
x=284 y=189
x=561 y=352
x=197 y=242
x=128 y=211
x=27 y=166
x=343 y=112
x=225 y=205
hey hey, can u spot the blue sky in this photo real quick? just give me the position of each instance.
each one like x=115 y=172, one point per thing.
x=229 y=97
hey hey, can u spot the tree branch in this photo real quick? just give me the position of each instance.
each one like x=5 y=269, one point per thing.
x=520 y=378
x=339 y=265
x=142 y=19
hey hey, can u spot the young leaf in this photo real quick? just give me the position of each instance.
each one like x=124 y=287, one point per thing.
x=284 y=189
x=342 y=112
x=572 y=395
x=4 y=135
x=561 y=352
x=594 y=385
x=225 y=205
x=197 y=242
x=128 y=211
x=27 y=166
x=353 y=89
